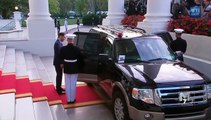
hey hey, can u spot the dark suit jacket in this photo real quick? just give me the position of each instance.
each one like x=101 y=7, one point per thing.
x=179 y=45
x=57 y=47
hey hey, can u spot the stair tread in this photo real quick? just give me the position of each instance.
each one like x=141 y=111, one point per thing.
x=20 y=57
x=20 y=64
x=48 y=63
x=38 y=62
x=29 y=61
x=21 y=71
x=59 y=113
x=31 y=67
x=9 y=61
x=2 y=55
x=42 y=111
x=24 y=109
x=44 y=76
x=33 y=74
x=41 y=69
x=32 y=100
x=7 y=109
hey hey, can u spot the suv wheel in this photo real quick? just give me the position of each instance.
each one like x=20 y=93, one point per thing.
x=120 y=107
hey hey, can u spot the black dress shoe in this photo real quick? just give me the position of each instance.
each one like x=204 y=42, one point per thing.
x=71 y=102
x=62 y=89
x=60 y=92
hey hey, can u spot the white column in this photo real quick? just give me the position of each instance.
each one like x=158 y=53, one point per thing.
x=115 y=12
x=40 y=27
x=39 y=23
x=157 y=16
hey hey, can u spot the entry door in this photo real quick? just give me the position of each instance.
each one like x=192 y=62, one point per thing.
x=88 y=43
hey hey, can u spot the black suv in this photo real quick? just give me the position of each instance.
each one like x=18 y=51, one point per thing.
x=143 y=76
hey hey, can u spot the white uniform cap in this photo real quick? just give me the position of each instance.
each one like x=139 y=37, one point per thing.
x=71 y=36
x=178 y=30
x=176 y=1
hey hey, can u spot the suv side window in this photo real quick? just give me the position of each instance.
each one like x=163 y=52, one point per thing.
x=107 y=48
x=88 y=43
x=90 y=46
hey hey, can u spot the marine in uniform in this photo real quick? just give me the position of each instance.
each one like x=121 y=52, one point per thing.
x=72 y=62
x=179 y=44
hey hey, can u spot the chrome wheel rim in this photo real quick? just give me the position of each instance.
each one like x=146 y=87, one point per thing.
x=119 y=109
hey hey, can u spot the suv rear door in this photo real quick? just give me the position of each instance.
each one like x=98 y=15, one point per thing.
x=88 y=43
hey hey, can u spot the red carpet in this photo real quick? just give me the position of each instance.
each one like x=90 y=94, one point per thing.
x=51 y=94
x=23 y=87
x=7 y=84
x=37 y=91
x=85 y=96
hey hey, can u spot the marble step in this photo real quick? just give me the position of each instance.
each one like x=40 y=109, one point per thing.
x=24 y=109
x=48 y=63
x=2 y=55
x=20 y=64
x=31 y=67
x=42 y=111
x=7 y=109
x=41 y=69
x=9 y=61
x=59 y=112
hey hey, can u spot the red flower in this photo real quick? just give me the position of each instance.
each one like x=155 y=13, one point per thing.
x=132 y=20
x=190 y=25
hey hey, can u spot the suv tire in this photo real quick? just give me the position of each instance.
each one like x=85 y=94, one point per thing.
x=120 y=110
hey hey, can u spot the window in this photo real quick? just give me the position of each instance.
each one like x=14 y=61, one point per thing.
x=91 y=45
x=142 y=49
x=88 y=42
x=127 y=49
x=107 y=48
x=153 y=48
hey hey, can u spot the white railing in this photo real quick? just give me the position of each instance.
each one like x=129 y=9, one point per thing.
x=10 y=25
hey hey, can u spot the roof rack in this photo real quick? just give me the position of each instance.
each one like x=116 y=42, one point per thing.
x=117 y=29
x=134 y=29
x=110 y=29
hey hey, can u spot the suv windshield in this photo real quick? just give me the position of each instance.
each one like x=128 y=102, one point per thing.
x=142 y=49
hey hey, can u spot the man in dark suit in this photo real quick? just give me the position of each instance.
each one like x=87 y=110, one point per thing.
x=57 y=62
x=72 y=62
x=179 y=44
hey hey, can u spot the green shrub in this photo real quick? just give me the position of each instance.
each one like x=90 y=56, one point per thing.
x=23 y=23
x=70 y=21
x=91 y=19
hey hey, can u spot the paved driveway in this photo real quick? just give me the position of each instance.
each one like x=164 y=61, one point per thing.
x=94 y=112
